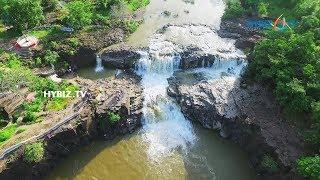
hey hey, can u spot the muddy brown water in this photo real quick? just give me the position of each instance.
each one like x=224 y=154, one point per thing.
x=210 y=158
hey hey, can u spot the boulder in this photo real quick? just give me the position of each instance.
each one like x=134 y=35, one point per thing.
x=194 y=57
x=120 y=57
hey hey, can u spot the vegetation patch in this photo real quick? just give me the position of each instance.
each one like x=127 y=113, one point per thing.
x=34 y=152
x=309 y=167
x=113 y=117
x=136 y=4
x=7 y=132
x=234 y=9
x=269 y=163
x=288 y=62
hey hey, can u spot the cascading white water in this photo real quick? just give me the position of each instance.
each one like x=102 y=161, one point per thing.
x=99 y=66
x=165 y=128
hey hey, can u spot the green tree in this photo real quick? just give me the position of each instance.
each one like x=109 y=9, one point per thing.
x=309 y=167
x=234 y=10
x=263 y=9
x=105 y=5
x=33 y=153
x=51 y=57
x=79 y=14
x=22 y=14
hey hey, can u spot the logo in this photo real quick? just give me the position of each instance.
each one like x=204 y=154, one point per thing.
x=64 y=94
x=280 y=24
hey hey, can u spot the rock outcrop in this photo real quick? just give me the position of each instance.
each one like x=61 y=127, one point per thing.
x=121 y=96
x=235 y=29
x=119 y=57
x=193 y=57
x=248 y=116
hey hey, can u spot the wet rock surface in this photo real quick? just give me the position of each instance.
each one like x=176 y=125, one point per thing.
x=120 y=57
x=248 y=116
x=193 y=57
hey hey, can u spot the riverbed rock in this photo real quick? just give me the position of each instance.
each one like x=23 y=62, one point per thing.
x=194 y=57
x=122 y=96
x=120 y=57
x=235 y=29
x=250 y=117
x=101 y=38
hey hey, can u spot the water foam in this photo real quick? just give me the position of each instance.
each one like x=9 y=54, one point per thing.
x=165 y=127
x=99 y=66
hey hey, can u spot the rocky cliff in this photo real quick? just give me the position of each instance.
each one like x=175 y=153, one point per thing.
x=121 y=96
x=248 y=115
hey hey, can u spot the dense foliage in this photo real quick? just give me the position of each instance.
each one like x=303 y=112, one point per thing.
x=264 y=8
x=7 y=132
x=79 y=14
x=22 y=14
x=33 y=152
x=310 y=167
x=234 y=9
x=288 y=62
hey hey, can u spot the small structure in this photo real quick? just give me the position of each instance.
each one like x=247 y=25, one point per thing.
x=67 y=29
x=26 y=42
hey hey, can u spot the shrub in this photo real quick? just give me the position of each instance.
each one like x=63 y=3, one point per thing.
x=136 y=4
x=113 y=117
x=22 y=14
x=74 y=42
x=79 y=14
x=105 y=5
x=33 y=153
x=7 y=132
x=29 y=117
x=234 y=9
x=131 y=26
x=51 y=57
x=263 y=9
x=309 y=167
x=269 y=163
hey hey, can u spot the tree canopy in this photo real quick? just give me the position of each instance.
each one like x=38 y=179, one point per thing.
x=21 y=14
x=79 y=14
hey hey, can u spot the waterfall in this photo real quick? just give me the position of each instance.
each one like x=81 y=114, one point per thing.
x=165 y=128
x=99 y=66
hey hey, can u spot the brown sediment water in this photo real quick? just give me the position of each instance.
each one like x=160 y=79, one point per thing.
x=210 y=158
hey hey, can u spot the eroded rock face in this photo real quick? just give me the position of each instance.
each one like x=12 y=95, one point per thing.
x=193 y=57
x=249 y=116
x=85 y=127
x=97 y=40
x=120 y=57
x=235 y=29
x=123 y=96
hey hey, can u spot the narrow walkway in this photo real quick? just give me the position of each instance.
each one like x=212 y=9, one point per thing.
x=11 y=149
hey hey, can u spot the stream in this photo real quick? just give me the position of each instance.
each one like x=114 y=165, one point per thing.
x=169 y=146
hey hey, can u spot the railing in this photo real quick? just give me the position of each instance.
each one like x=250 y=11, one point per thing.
x=38 y=137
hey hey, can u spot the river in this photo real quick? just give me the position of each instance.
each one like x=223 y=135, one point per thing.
x=168 y=146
